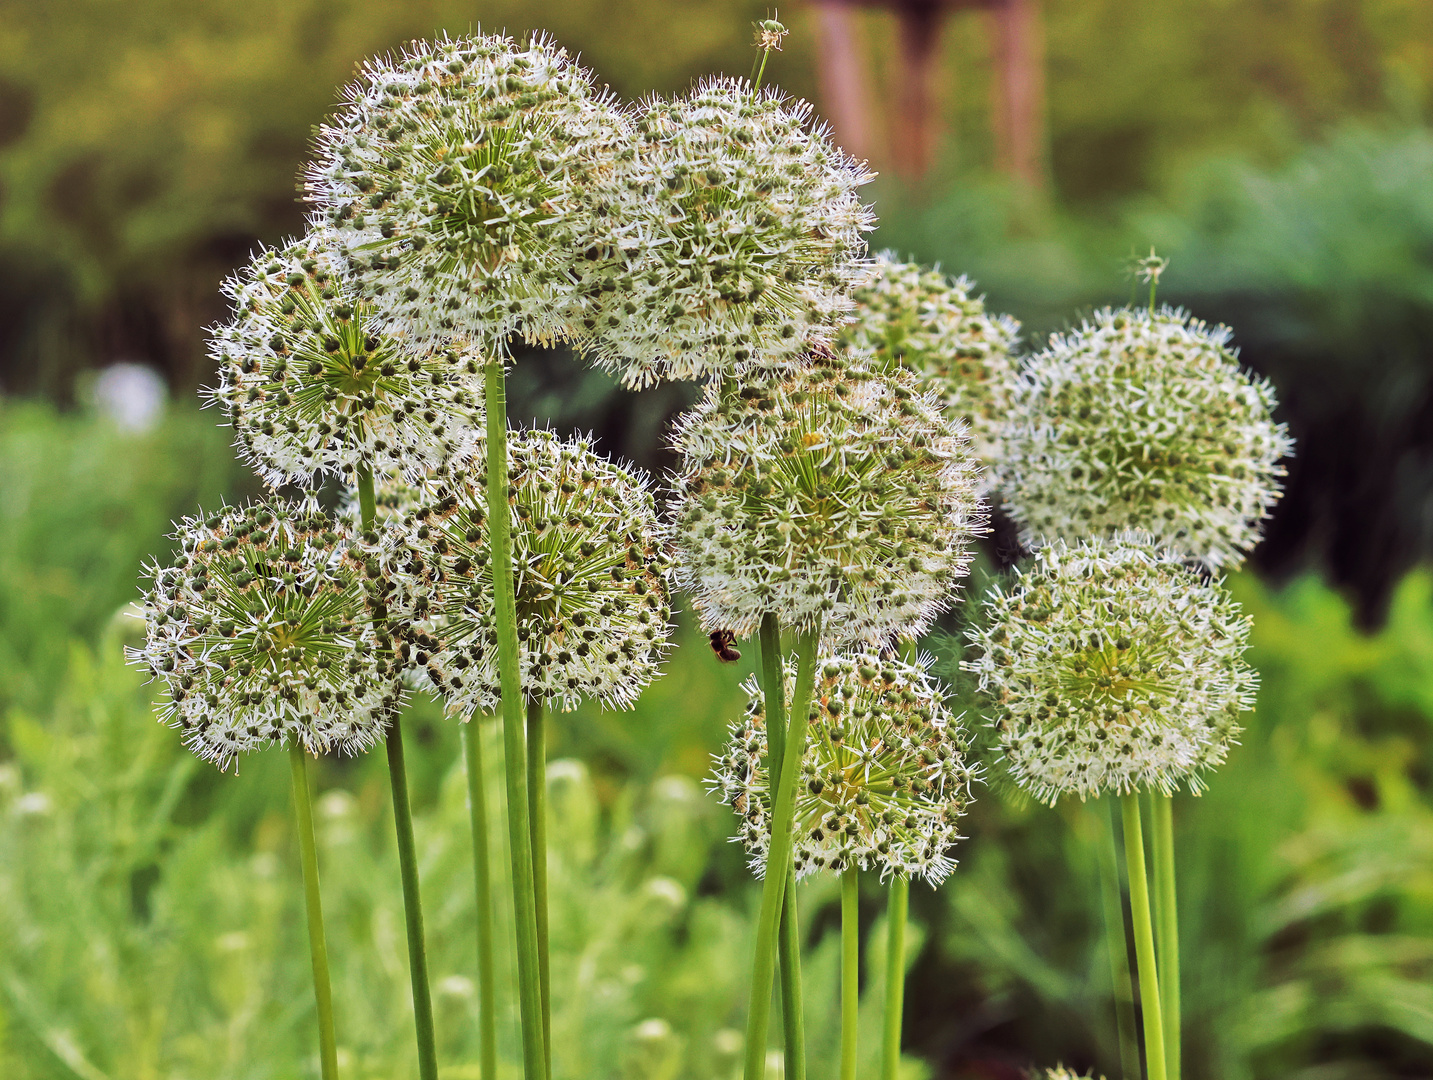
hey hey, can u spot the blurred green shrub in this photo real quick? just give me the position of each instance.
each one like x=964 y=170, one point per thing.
x=82 y=504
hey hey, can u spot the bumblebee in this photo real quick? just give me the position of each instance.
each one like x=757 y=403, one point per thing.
x=723 y=643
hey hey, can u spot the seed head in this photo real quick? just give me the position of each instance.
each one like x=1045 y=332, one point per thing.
x=1112 y=666
x=452 y=175
x=261 y=632
x=917 y=318
x=1144 y=421
x=730 y=238
x=590 y=566
x=884 y=779
x=833 y=494
x=313 y=388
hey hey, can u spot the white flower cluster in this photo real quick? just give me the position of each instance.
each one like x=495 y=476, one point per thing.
x=832 y=495
x=729 y=238
x=313 y=388
x=590 y=564
x=1112 y=666
x=1144 y=421
x=453 y=178
x=918 y=318
x=884 y=779
x=261 y=631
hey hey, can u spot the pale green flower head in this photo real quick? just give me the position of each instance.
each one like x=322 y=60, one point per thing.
x=454 y=175
x=1144 y=421
x=728 y=237
x=261 y=631
x=590 y=562
x=313 y=388
x=917 y=318
x=1112 y=666
x=833 y=495
x=884 y=780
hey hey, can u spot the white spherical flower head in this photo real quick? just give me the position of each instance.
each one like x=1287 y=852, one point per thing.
x=731 y=237
x=1112 y=666
x=313 y=388
x=451 y=175
x=910 y=316
x=1144 y=421
x=834 y=495
x=884 y=780
x=590 y=566
x=261 y=631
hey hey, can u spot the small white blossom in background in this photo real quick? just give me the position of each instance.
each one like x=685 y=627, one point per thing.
x=133 y=396
x=590 y=564
x=834 y=494
x=914 y=317
x=312 y=388
x=261 y=631
x=1144 y=421
x=1112 y=666
x=452 y=176
x=1060 y=1072
x=728 y=238
x=884 y=780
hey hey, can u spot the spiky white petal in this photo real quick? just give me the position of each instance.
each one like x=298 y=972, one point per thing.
x=1112 y=666
x=1144 y=421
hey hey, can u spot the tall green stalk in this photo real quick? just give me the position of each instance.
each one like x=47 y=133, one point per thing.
x=407 y=854
x=1143 y=939
x=1162 y=841
x=483 y=893
x=1114 y=918
x=534 y=1044
x=788 y=935
x=899 y=904
x=850 y=967
x=537 y=823
x=318 y=947
x=773 y=887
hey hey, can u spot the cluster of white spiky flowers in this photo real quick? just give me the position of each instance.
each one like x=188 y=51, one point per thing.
x=313 y=388
x=728 y=238
x=454 y=176
x=884 y=779
x=590 y=566
x=1144 y=420
x=261 y=631
x=1112 y=666
x=916 y=317
x=833 y=495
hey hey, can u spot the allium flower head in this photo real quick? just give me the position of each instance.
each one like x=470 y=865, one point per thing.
x=590 y=566
x=451 y=175
x=1112 y=666
x=832 y=494
x=260 y=630
x=884 y=779
x=1144 y=421
x=1061 y=1072
x=730 y=237
x=313 y=388
x=918 y=318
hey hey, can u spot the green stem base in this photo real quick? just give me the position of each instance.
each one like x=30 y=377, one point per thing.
x=850 y=968
x=483 y=894
x=318 y=946
x=412 y=905
x=1143 y=939
x=896 y=911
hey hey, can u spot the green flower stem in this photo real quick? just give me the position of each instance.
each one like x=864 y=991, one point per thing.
x=1143 y=939
x=537 y=824
x=412 y=904
x=788 y=935
x=850 y=967
x=483 y=891
x=895 y=974
x=407 y=853
x=534 y=1048
x=1114 y=917
x=1162 y=842
x=318 y=948
x=773 y=886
